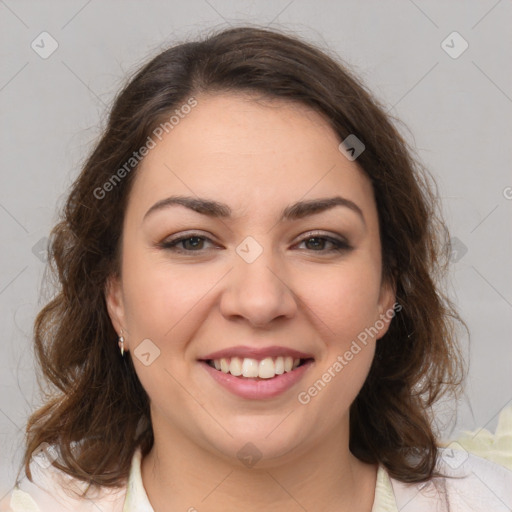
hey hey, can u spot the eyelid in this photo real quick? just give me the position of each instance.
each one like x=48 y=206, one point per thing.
x=340 y=243
x=188 y=234
x=179 y=237
x=323 y=234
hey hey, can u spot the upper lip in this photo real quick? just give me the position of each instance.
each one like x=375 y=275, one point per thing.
x=256 y=353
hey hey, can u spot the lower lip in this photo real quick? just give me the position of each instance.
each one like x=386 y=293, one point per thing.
x=258 y=389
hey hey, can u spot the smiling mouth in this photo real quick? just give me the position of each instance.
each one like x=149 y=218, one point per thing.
x=254 y=369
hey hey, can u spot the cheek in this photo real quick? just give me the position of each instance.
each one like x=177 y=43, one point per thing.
x=344 y=298
x=347 y=302
x=346 y=305
x=162 y=299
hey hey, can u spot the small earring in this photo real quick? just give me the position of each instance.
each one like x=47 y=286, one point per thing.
x=121 y=343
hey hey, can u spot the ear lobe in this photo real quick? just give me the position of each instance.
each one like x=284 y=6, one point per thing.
x=387 y=297
x=115 y=304
x=387 y=300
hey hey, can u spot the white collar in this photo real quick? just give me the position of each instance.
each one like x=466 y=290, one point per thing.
x=136 y=498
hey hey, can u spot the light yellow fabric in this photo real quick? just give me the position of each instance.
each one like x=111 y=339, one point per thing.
x=23 y=501
x=384 y=496
x=496 y=447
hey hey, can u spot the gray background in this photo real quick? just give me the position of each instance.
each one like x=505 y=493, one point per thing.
x=456 y=111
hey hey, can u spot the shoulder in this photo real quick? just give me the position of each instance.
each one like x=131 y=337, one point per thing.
x=54 y=491
x=469 y=483
x=477 y=475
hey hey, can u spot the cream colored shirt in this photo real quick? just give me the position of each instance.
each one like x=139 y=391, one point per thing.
x=480 y=461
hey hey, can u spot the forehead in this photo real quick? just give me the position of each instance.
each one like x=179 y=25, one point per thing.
x=242 y=149
x=249 y=126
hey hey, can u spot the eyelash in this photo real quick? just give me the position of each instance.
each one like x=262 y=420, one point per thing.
x=172 y=245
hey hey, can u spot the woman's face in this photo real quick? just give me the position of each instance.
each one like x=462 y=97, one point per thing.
x=248 y=282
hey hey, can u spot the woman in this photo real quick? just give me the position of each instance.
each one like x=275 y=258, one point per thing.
x=248 y=315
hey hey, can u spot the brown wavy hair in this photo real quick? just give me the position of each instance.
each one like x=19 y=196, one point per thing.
x=96 y=412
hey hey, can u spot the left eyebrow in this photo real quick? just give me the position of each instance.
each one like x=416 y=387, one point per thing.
x=294 y=211
x=304 y=208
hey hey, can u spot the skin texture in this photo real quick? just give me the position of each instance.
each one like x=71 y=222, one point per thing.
x=257 y=156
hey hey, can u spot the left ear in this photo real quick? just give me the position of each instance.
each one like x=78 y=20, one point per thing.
x=115 y=305
x=386 y=311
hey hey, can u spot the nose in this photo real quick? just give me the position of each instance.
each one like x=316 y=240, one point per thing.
x=258 y=292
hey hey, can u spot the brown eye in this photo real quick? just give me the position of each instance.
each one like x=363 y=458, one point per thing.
x=196 y=242
x=318 y=244
x=184 y=244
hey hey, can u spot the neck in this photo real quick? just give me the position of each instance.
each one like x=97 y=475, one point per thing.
x=178 y=474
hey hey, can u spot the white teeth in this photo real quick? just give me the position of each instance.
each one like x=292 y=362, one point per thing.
x=266 y=369
x=279 y=366
x=224 y=365
x=247 y=367
x=235 y=368
x=250 y=368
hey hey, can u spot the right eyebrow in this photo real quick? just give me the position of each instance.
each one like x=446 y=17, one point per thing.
x=199 y=205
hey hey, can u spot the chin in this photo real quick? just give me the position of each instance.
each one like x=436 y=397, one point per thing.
x=260 y=444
